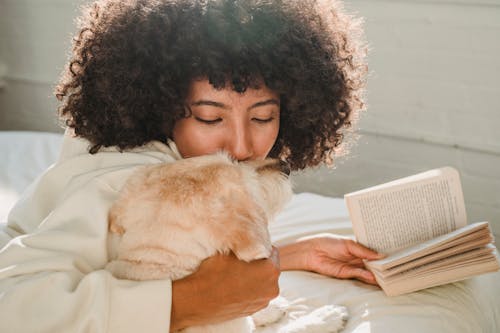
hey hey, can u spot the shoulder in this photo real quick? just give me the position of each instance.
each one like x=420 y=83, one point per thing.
x=80 y=182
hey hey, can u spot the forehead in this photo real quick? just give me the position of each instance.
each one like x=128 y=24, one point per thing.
x=202 y=89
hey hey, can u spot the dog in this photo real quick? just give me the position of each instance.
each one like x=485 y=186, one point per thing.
x=169 y=217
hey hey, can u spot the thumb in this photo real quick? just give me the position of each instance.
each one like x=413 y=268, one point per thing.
x=345 y=271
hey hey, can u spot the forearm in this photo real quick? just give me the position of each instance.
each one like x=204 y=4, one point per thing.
x=183 y=300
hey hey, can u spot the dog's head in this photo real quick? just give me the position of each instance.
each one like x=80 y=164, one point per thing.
x=216 y=181
x=200 y=204
x=273 y=184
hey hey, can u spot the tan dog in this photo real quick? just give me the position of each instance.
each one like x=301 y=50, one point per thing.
x=170 y=217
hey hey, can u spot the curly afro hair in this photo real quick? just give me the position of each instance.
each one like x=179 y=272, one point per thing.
x=133 y=62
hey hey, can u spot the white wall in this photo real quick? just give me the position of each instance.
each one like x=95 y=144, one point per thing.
x=432 y=94
x=433 y=98
x=35 y=38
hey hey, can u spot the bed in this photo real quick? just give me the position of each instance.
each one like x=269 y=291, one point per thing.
x=468 y=306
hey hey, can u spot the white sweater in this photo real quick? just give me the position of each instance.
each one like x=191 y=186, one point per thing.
x=54 y=250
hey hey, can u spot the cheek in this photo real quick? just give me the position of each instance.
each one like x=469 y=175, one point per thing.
x=192 y=140
x=265 y=140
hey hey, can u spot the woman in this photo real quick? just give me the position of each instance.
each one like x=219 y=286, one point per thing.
x=152 y=81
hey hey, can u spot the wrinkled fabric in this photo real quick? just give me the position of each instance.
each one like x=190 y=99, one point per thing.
x=61 y=289
x=54 y=251
x=471 y=306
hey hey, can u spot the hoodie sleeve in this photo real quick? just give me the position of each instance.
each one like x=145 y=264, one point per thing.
x=51 y=274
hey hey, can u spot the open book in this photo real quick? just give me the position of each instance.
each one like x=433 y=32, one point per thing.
x=421 y=224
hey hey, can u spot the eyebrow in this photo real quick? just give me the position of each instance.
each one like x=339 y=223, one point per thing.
x=270 y=101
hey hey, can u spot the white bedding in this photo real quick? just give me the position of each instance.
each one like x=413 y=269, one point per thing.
x=470 y=306
x=24 y=156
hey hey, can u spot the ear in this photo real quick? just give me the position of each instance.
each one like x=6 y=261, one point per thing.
x=274 y=165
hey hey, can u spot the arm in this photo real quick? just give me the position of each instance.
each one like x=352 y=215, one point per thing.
x=51 y=277
x=329 y=255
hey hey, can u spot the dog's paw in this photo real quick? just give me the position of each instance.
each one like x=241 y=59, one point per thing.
x=258 y=251
x=272 y=313
x=328 y=318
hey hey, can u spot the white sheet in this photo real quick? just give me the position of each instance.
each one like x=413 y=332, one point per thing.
x=470 y=306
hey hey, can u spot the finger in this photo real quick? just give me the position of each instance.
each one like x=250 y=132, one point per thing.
x=357 y=263
x=369 y=278
x=360 y=274
x=363 y=252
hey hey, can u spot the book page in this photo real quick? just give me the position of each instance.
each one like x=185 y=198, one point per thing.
x=443 y=274
x=408 y=211
x=476 y=256
x=473 y=250
x=457 y=238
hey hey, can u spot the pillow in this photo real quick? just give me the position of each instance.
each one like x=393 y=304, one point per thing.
x=25 y=155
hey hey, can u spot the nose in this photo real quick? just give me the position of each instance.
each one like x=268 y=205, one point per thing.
x=239 y=144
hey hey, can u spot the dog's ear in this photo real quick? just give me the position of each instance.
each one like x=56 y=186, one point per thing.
x=274 y=165
x=270 y=165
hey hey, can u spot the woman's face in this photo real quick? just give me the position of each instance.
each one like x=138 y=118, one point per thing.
x=244 y=125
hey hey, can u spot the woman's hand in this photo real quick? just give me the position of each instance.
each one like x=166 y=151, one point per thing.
x=224 y=288
x=330 y=255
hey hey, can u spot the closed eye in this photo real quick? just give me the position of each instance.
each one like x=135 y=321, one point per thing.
x=266 y=120
x=208 y=121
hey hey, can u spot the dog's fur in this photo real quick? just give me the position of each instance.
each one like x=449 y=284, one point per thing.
x=170 y=217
